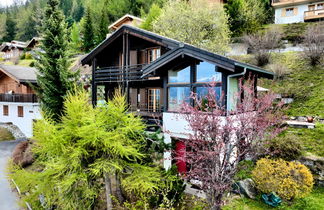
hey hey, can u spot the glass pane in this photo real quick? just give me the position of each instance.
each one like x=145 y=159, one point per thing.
x=177 y=96
x=154 y=100
x=203 y=91
x=179 y=76
x=206 y=72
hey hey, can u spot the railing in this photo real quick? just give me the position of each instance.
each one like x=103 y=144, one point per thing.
x=22 y=98
x=119 y=74
x=319 y=13
x=288 y=1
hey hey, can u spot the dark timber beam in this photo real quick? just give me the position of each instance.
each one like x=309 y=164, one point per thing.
x=94 y=85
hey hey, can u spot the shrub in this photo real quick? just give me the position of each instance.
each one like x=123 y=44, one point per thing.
x=28 y=56
x=287 y=147
x=23 y=56
x=313 y=44
x=261 y=44
x=5 y=135
x=288 y=179
x=294 y=32
x=32 y=64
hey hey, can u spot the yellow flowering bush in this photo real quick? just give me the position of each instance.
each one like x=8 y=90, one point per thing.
x=288 y=179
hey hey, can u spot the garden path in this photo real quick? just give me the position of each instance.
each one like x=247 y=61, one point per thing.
x=8 y=198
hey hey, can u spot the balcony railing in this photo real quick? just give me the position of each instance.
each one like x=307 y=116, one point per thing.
x=119 y=74
x=313 y=14
x=21 y=98
x=284 y=2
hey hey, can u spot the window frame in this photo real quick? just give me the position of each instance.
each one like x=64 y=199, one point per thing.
x=5 y=110
x=288 y=10
x=20 y=111
x=193 y=84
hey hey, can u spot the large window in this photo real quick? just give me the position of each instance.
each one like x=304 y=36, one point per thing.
x=197 y=78
x=179 y=76
x=177 y=96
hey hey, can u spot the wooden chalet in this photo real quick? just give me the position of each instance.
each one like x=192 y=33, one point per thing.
x=158 y=73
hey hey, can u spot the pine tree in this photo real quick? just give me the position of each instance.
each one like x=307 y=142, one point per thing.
x=10 y=29
x=87 y=31
x=54 y=78
x=75 y=39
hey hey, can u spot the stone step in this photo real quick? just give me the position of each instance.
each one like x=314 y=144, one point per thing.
x=299 y=124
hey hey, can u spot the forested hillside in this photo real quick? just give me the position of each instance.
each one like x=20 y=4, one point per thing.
x=21 y=21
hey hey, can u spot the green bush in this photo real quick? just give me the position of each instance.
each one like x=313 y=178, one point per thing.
x=28 y=56
x=244 y=170
x=288 y=179
x=32 y=64
x=287 y=147
x=23 y=56
x=294 y=32
x=171 y=190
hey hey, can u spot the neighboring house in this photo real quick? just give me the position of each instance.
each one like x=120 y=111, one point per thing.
x=12 y=50
x=125 y=20
x=295 y=11
x=33 y=43
x=18 y=102
x=158 y=74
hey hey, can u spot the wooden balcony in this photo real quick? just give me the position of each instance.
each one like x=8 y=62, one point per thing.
x=314 y=14
x=18 y=98
x=119 y=74
x=281 y=3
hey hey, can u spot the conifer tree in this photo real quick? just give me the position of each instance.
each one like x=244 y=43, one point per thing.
x=75 y=38
x=87 y=31
x=10 y=29
x=103 y=25
x=54 y=78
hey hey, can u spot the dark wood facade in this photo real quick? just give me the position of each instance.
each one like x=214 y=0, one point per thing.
x=140 y=62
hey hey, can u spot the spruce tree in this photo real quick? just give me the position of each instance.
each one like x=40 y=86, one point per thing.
x=87 y=31
x=103 y=25
x=54 y=78
x=10 y=29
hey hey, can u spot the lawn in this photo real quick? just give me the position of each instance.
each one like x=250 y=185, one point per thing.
x=313 y=201
x=5 y=135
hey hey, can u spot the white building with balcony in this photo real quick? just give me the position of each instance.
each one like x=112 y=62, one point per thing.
x=296 y=11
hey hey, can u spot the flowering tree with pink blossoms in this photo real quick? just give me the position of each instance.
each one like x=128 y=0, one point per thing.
x=219 y=138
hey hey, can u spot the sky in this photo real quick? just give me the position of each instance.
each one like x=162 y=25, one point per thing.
x=5 y=3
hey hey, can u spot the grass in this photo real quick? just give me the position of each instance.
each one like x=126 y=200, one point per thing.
x=5 y=135
x=313 y=201
x=312 y=140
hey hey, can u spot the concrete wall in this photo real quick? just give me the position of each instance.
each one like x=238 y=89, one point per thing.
x=25 y=123
x=299 y=17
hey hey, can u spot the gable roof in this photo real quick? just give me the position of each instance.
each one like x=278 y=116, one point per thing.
x=19 y=73
x=164 y=41
x=124 y=19
x=176 y=49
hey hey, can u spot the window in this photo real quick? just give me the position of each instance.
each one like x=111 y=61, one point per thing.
x=182 y=76
x=5 y=110
x=203 y=91
x=153 y=54
x=177 y=96
x=289 y=12
x=20 y=111
x=320 y=6
x=153 y=100
x=207 y=72
x=311 y=7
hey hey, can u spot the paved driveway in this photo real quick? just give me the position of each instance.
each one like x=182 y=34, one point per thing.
x=8 y=199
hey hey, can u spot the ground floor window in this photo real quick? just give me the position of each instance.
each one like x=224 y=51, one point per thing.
x=20 y=111
x=5 y=110
x=153 y=100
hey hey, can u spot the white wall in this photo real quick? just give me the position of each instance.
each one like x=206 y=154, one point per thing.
x=25 y=124
x=291 y=19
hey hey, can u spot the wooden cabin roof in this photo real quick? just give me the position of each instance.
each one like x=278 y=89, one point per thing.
x=20 y=74
x=124 y=20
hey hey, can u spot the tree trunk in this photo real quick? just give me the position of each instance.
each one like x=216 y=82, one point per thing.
x=119 y=193
x=108 y=191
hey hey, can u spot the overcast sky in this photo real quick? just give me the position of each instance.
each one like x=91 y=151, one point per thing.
x=5 y=3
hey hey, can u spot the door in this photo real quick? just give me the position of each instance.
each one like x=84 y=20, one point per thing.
x=154 y=98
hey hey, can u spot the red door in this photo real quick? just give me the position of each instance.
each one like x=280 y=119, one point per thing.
x=180 y=157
